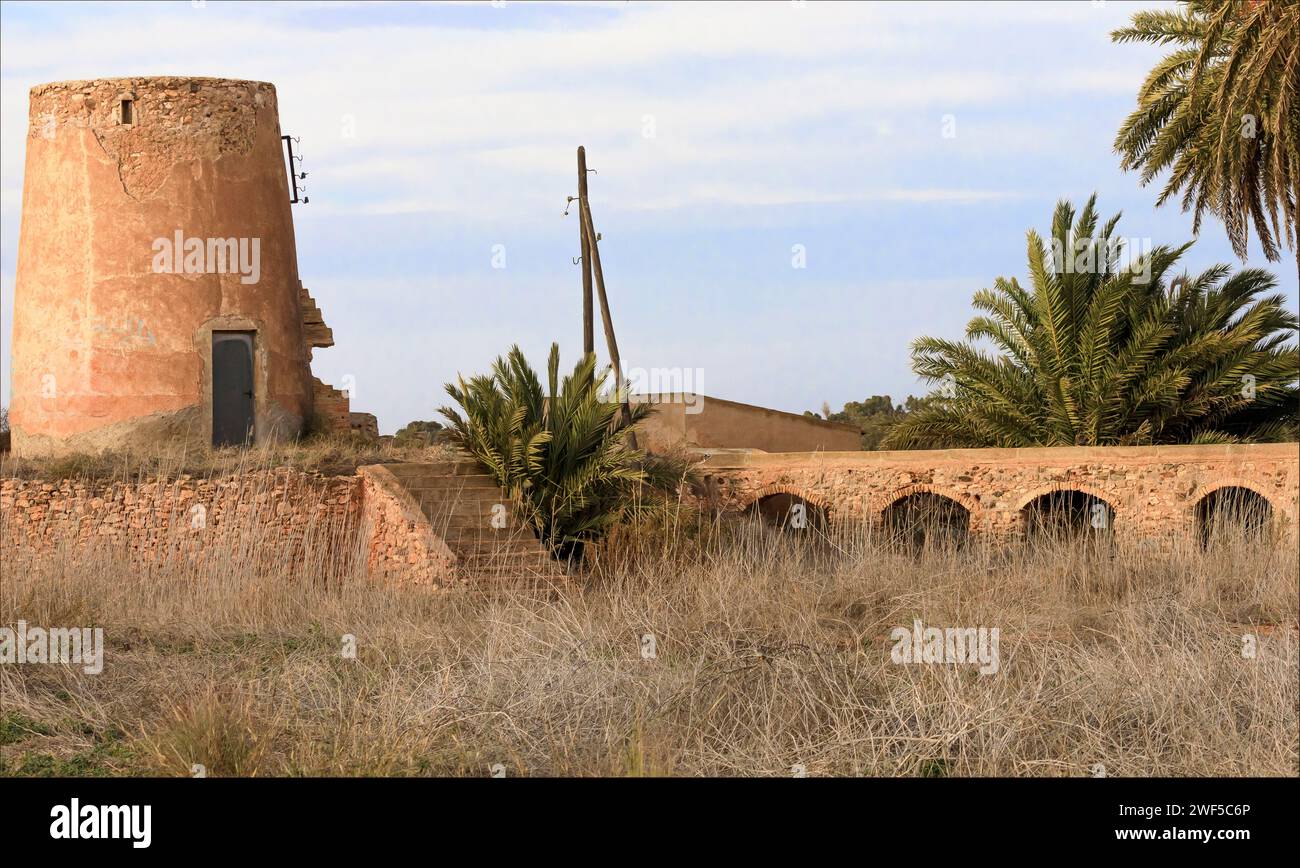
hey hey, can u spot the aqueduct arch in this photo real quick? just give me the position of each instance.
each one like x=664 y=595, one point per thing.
x=1066 y=509
x=1233 y=512
x=925 y=518
x=1151 y=492
x=789 y=509
x=961 y=498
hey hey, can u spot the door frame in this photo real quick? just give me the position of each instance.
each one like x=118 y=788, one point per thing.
x=245 y=340
x=203 y=338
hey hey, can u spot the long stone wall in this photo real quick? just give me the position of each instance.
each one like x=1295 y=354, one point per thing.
x=277 y=513
x=273 y=514
x=1153 y=490
x=1153 y=493
x=369 y=524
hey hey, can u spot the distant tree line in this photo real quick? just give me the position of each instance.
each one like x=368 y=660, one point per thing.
x=873 y=416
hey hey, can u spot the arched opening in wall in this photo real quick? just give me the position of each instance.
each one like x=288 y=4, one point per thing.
x=926 y=520
x=789 y=513
x=1231 y=516
x=1068 y=515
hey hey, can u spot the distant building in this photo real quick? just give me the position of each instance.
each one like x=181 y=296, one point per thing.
x=711 y=423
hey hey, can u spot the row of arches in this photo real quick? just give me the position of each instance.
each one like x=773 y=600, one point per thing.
x=927 y=519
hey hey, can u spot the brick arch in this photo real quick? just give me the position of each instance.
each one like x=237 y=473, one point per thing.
x=975 y=511
x=1204 y=491
x=884 y=502
x=1085 y=487
x=815 y=499
x=1281 y=511
x=1118 y=516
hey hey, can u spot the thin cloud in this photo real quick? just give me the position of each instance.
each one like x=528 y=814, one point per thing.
x=723 y=134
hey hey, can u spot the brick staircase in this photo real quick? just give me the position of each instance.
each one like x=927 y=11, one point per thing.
x=466 y=507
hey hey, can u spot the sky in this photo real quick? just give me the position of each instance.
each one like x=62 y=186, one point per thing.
x=788 y=193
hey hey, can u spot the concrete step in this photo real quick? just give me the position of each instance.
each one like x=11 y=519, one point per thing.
x=438 y=469
x=482 y=534
x=461 y=505
x=478 y=536
x=473 y=537
x=489 y=559
x=484 y=492
x=503 y=570
x=449 y=517
x=452 y=495
x=430 y=482
x=466 y=511
x=474 y=560
x=486 y=555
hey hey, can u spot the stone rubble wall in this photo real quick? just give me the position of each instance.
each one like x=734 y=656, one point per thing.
x=402 y=546
x=372 y=516
x=272 y=514
x=283 y=511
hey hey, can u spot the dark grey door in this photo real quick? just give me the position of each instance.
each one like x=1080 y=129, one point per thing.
x=232 y=388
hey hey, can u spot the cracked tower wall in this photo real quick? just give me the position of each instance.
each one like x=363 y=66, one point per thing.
x=113 y=321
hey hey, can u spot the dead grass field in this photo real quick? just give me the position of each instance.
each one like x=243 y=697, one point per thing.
x=328 y=455
x=769 y=655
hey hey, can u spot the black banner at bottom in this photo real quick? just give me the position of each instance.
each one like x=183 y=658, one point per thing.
x=126 y=817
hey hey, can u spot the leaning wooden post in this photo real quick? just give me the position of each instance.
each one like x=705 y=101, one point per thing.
x=606 y=320
x=588 y=334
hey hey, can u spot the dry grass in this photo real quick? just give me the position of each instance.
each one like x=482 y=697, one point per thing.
x=328 y=455
x=769 y=654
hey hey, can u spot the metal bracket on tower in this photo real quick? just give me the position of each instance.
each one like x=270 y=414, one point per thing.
x=298 y=190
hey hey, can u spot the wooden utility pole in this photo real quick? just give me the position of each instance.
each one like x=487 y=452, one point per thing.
x=588 y=335
x=593 y=247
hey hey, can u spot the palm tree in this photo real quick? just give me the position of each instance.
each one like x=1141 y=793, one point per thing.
x=1222 y=115
x=1096 y=352
x=562 y=455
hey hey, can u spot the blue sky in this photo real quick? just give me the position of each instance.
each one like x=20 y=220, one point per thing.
x=723 y=136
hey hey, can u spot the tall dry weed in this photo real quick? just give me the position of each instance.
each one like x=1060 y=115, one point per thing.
x=693 y=648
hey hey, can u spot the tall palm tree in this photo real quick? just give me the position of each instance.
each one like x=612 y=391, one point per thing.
x=562 y=455
x=1099 y=352
x=1222 y=115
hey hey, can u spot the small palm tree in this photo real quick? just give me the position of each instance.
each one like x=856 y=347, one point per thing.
x=1100 y=353
x=1222 y=115
x=563 y=455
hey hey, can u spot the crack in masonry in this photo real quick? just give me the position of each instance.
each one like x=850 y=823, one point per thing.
x=120 y=178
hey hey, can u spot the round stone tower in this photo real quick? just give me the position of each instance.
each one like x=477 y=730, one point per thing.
x=157 y=293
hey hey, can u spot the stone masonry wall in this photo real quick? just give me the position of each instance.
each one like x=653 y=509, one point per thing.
x=282 y=513
x=402 y=545
x=271 y=515
x=1153 y=491
x=285 y=509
